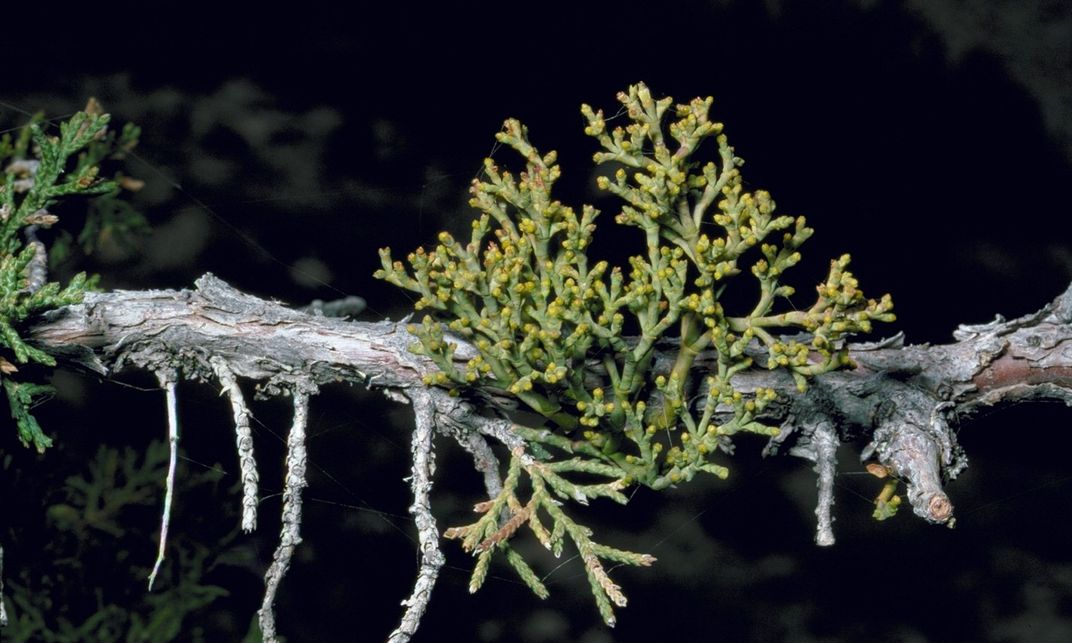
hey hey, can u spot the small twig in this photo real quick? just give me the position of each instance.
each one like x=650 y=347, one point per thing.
x=290 y=536
x=484 y=460
x=243 y=440
x=167 y=378
x=826 y=443
x=458 y=424
x=424 y=412
x=912 y=438
x=3 y=607
x=498 y=428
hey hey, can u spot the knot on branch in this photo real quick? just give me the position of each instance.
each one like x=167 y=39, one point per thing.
x=915 y=442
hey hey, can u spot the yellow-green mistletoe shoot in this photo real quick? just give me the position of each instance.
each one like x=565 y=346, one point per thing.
x=578 y=340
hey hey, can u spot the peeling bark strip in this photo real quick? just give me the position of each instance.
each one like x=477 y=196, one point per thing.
x=290 y=536
x=899 y=396
x=243 y=442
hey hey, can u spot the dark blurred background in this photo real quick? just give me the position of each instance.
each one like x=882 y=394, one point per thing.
x=283 y=146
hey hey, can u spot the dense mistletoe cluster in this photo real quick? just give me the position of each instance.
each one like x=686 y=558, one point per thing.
x=547 y=320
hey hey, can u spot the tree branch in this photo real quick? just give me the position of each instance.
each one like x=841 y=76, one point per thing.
x=898 y=396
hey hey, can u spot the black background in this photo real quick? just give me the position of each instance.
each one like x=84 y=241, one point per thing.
x=933 y=142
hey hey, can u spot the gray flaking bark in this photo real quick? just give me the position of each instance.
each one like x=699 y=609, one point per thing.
x=900 y=397
x=290 y=535
x=821 y=448
x=243 y=442
x=425 y=412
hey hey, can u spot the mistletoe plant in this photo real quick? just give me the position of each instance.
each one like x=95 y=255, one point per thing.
x=549 y=323
x=40 y=169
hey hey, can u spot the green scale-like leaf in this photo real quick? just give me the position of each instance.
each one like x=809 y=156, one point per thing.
x=41 y=169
